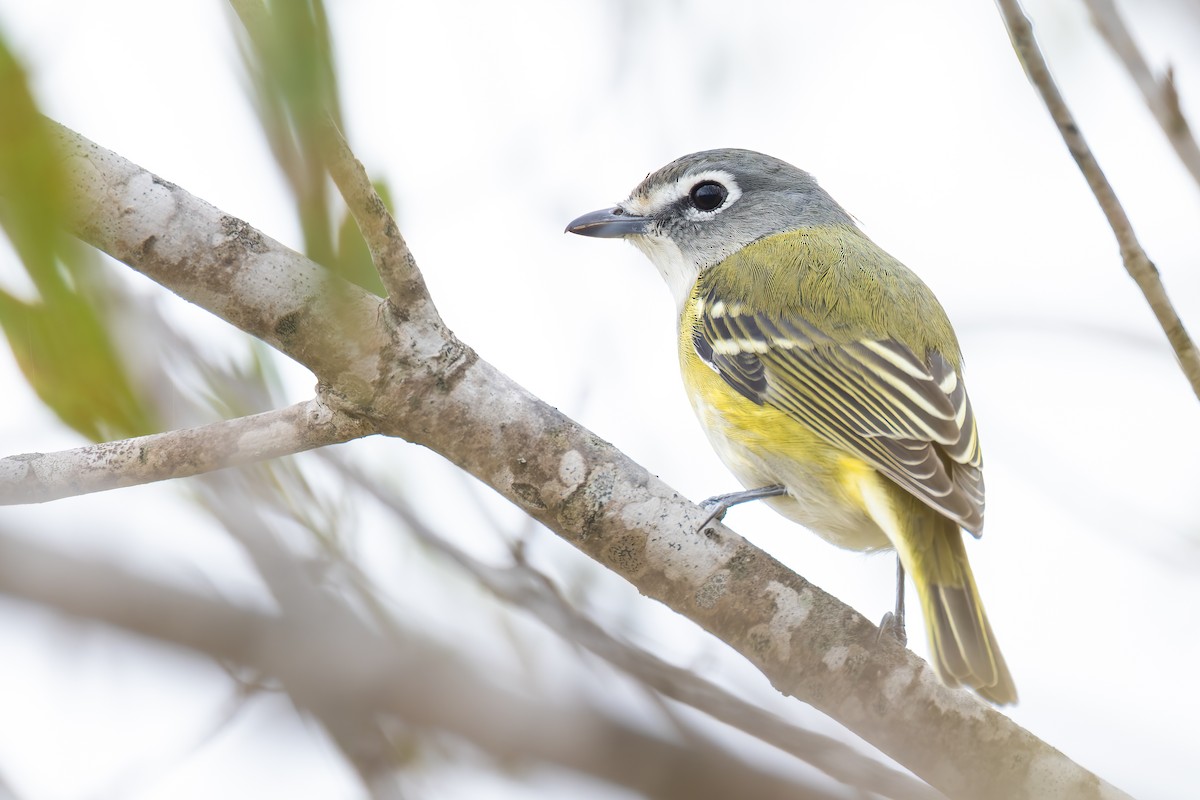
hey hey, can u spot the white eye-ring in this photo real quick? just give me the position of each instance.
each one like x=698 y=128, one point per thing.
x=707 y=194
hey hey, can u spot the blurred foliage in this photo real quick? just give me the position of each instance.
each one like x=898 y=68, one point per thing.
x=62 y=339
x=288 y=55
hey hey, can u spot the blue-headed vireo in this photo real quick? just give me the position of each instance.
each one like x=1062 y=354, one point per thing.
x=826 y=376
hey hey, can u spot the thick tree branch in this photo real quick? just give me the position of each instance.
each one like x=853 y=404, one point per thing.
x=410 y=377
x=1159 y=93
x=40 y=477
x=417 y=682
x=1137 y=263
x=222 y=264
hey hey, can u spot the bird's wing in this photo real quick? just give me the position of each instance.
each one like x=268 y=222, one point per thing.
x=908 y=417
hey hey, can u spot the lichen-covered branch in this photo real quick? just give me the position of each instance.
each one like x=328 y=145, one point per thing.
x=41 y=477
x=1137 y=263
x=226 y=266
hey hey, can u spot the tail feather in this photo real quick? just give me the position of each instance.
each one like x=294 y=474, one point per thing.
x=961 y=643
x=952 y=661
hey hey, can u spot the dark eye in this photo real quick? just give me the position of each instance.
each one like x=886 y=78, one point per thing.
x=708 y=195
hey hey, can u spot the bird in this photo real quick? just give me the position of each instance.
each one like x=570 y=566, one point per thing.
x=827 y=378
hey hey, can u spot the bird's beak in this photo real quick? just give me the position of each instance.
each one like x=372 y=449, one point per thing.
x=608 y=223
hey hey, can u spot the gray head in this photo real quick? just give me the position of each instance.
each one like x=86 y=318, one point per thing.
x=701 y=208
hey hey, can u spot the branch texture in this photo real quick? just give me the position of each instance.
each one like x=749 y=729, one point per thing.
x=224 y=265
x=40 y=477
x=398 y=367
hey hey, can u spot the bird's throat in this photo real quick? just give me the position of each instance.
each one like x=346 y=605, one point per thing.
x=677 y=270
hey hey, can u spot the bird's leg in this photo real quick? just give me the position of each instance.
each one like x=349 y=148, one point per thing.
x=893 y=623
x=723 y=502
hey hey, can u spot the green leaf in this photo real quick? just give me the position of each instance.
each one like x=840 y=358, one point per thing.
x=353 y=257
x=288 y=54
x=61 y=339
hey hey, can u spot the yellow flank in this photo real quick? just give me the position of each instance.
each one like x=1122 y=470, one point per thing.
x=763 y=445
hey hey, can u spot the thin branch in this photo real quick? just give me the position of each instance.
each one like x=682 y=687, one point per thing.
x=41 y=477
x=522 y=586
x=1160 y=95
x=1137 y=263
x=395 y=262
x=251 y=505
x=418 y=682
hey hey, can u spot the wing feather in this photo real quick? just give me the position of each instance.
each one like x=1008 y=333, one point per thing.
x=907 y=415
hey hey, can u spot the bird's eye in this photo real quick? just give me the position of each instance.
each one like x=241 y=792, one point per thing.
x=708 y=195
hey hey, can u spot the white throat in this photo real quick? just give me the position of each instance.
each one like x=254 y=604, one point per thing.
x=679 y=273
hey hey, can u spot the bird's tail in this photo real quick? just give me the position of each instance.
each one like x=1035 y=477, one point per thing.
x=961 y=641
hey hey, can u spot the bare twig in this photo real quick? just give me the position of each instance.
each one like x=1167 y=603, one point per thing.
x=419 y=682
x=1159 y=93
x=40 y=477
x=1137 y=263
x=394 y=261
x=251 y=505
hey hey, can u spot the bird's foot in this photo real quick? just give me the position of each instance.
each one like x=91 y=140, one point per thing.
x=893 y=625
x=719 y=504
